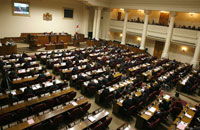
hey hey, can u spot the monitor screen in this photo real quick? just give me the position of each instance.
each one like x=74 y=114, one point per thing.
x=21 y=8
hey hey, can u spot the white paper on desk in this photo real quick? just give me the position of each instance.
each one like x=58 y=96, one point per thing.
x=13 y=92
x=182 y=125
x=91 y=118
x=148 y=113
x=74 y=103
x=111 y=89
x=58 y=81
x=187 y=115
x=47 y=84
x=86 y=83
x=31 y=121
x=22 y=89
x=192 y=108
x=95 y=81
x=152 y=109
x=166 y=97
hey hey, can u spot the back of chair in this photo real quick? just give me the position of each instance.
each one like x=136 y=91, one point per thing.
x=6 y=119
x=72 y=95
x=107 y=122
x=109 y=98
x=38 y=108
x=62 y=99
x=22 y=113
x=37 y=127
x=50 y=103
x=86 y=107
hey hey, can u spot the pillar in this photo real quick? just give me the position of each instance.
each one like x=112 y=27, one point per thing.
x=169 y=35
x=94 y=24
x=98 y=22
x=123 y=42
x=195 y=59
x=86 y=22
x=144 y=33
x=106 y=24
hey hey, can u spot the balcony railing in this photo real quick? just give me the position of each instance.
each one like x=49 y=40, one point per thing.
x=184 y=36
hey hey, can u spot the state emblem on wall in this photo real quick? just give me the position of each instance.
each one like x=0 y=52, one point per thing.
x=47 y=16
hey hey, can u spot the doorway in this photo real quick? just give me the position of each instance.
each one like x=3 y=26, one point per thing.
x=158 y=49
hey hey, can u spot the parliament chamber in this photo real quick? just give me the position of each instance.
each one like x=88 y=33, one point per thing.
x=100 y=65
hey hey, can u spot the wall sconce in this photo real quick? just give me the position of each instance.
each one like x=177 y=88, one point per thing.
x=121 y=9
x=191 y=14
x=141 y=11
x=120 y=35
x=164 y=11
x=184 y=49
x=139 y=39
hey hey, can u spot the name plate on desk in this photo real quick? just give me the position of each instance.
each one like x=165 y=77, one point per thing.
x=91 y=118
x=5 y=106
x=22 y=101
x=74 y=103
x=14 y=103
x=31 y=121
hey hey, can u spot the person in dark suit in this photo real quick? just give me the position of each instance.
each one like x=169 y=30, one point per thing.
x=26 y=65
x=135 y=100
x=21 y=60
x=88 y=66
x=28 y=91
x=164 y=105
x=110 y=77
x=12 y=98
x=92 y=84
x=24 y=55
x=105 y=92
x=127 y=103
x=53 y=87
x=75 y=70
x=41 y=76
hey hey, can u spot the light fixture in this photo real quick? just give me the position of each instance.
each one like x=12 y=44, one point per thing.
x=121 y=9
x=184 y=49
x=120 y=35
x=191 y=14
x=140 y=10
x=164 y=11
x=139 y=39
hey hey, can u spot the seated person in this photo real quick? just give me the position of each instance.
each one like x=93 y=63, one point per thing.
x=21 y=60
x=110 y=77
x=27 y=65
x=92 y=83
x=28 y=91
x=127 y=103
x=12 y=98
x=24 y=55
x=75 y=70
x=176 y=106
x=53 y=87
x=13 y=74
x=105 y=92
x=164 y=105
x=41 y=76
x=135 y=100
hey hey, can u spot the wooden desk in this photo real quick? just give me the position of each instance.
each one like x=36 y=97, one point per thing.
x=27 y=79
x=56 y=46
x=184 y=118
x=86 y=123
x=8 y=49
x=142 y=117
x=29 y=103
x=64 y=38
x=49 y=115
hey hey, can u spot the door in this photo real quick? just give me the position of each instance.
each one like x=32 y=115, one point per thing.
x=119 y=16
x=158 y=49
x=164 y=18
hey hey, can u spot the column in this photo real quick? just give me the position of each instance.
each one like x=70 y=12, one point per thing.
x=169 y=35
x=94 y=24
x=98 y=23
x=195 y=59
x=144 y=33
x=124 y=28
x=86 y=22
x=106 y=23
